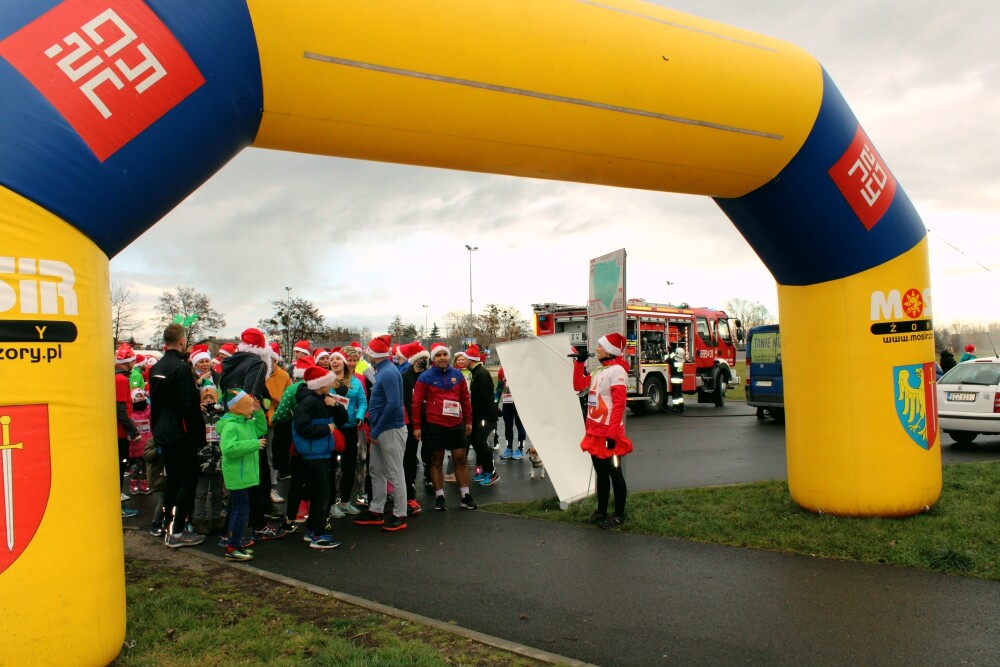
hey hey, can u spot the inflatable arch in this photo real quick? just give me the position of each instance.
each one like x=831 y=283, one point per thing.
x=115 y=110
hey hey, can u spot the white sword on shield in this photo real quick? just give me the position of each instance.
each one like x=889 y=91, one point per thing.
x=8 y=475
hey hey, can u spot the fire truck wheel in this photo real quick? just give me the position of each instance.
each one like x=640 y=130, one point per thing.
x=719 y=393
x=656 y=393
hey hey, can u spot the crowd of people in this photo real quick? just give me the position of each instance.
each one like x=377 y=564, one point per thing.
x=213 y=435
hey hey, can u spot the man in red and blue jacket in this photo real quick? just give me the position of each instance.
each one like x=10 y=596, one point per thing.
x=442 y=420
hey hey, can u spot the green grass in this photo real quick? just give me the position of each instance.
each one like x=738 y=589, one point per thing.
x=215 y=615
x=959 y=535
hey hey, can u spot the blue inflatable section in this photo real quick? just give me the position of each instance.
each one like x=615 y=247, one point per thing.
x=801 y=225
x=43 y=158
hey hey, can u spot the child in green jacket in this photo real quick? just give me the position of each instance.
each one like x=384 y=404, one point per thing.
x=241 y=437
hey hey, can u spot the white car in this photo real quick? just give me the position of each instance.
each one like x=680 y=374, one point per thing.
x=968 y=398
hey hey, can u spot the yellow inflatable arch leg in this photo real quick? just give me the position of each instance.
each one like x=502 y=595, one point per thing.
x=114 y=114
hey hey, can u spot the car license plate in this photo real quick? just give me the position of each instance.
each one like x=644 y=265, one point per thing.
x=763 y=383
x=962 y=396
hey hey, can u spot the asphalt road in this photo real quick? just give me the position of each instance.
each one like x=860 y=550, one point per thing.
x=613 y=598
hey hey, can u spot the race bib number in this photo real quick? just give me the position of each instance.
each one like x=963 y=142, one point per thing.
x=452 y=409
x=342 y=400
x=142 y=425
x=211 y=435
x=592 y=399
x=507 y=399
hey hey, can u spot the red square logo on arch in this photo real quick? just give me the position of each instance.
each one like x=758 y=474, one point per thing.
x=110 y=67
x=864 y=180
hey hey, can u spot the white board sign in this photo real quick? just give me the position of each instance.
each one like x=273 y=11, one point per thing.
x=540 y=375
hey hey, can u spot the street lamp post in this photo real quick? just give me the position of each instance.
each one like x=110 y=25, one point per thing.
x=668 y=293
x=426 y=338
x=472 y=321
x=288 y=320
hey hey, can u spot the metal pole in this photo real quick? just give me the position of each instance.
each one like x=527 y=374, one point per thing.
x=426 y=338
x=288 y=320
x=472 y=321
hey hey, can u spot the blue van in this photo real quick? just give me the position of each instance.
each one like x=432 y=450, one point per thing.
x=765 y=388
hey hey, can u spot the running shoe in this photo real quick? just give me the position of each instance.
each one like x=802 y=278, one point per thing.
x=289 y=527
x=246 y=542
x=468 y=503
x=276 y=497
x=336 y=512
x=439 y=504
x=368 y=518
x=478 y=479
x=348 y=508
x=125 y=497
x=518 y=454
x=324 y=542
x=413 y=508
x=394 y=523
x=507 y=453
x=128 y=513
x=184 y=539
x=155 y=529
x=490 y=479
x=308 y=535
x=613 y=521
x=269 y=533
x=238 y=555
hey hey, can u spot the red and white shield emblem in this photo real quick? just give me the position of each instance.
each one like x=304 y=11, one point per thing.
x=25 y=477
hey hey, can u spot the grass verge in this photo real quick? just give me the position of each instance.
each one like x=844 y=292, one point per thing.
x=957 y=536
x=183 y=611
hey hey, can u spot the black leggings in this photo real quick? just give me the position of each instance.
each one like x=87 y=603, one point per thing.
x=348 y=464
x=608 y=475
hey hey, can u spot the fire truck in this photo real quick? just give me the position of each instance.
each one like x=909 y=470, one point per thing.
x=707 y=338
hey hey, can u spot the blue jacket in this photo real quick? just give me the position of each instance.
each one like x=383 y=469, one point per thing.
x=311 y=425
x=358 y=405
x=385 y=409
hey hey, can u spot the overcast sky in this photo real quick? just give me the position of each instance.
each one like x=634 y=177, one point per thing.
x=923 y=78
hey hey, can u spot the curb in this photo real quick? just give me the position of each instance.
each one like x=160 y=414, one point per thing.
x=489 y=640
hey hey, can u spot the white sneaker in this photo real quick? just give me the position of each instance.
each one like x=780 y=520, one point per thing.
x=275 y=498
x=125 y=497
x=336 y=512
x=348 y=508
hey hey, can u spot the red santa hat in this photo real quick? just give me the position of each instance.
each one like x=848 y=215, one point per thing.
x=319 y=353
x=227 y=350
x=437 y=348
x=415 y=352
x=357 y=346
x=124 y=354
x=613 y=344
x=339 y=354
x=199 y=353
x=252 y=340
x=377 y=348
x=317 y=377
x=970 y=348
x=140 y=360
x=275 y=350
x=396 y=354
x=303 y=347
x=472 y=353
x=301 y=366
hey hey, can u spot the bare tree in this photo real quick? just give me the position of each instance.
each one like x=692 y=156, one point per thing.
x=192 y=309
x=501 y=323
x=752 y=314
x=124 y=321
x=295 y=320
